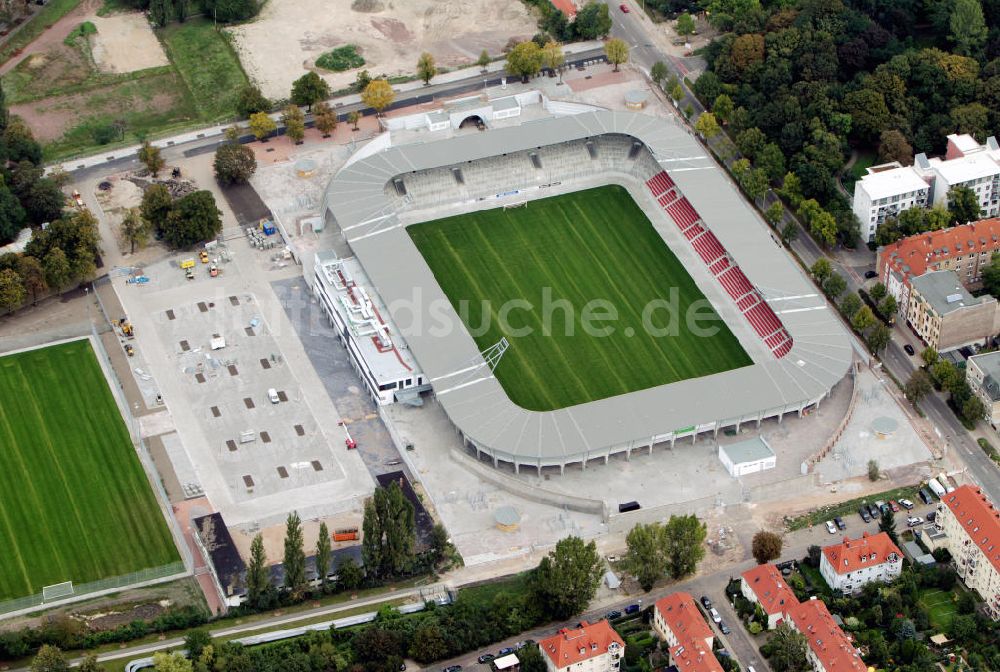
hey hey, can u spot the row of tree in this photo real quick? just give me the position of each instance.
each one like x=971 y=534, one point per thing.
x=941 y=374
x=162 y=12
x=671 y=549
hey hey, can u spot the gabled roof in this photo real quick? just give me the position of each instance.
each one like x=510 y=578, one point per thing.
x=575 y=645
x=693 y=657
x=828 y=642
x=913 y=255
x=979 y=518
x=772 y=592
x=681 y=615
x=867 y=551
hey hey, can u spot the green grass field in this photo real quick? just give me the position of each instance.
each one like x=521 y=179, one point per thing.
x=75 y=503
x=590 y=245
x=941 y=608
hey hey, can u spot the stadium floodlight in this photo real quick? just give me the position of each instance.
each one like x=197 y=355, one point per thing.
x=493 y=353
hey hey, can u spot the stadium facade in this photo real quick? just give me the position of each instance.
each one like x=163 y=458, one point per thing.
x=801 y=349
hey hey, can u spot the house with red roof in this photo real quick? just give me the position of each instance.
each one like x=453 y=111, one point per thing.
x=567 y=7
x=765 y=586
x=853 y=563
x=830 y=648
x=971 y=524
x=677 y=620
x=593 y=647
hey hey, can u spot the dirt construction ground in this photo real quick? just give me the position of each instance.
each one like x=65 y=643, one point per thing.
x=290 y=35
x=126 y=43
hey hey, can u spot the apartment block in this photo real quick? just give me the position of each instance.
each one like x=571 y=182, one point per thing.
x=853 y=563
x=677 y=620
x=971 y=524
x=946 y=316
x=982 y=372
x=593 y=647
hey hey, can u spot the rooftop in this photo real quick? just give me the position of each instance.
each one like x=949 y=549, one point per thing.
x=866 y=551
x=883 y=183
x=979 y=518
x=944 y=292
x=694 y=658
x=575 y=645
x=989 y=364
x=750 y=450
x=772 y=592
x=964 y=143
x=966 y=168
x=912 y=256
x=828 y=642
x=681 y=614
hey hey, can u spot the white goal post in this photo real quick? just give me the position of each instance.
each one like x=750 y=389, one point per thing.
x=516 y=204
x=57 y=591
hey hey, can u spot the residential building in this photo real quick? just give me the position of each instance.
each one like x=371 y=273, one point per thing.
x=677 y=620
x=944 y=314
x=886 y=191
x=378 y=353
x=982 y=372
x=850 y=565
x=764 y=585
x=593 y=647
x=971 y=524
x=830 y=648
x=890 y=188
x=965 y=249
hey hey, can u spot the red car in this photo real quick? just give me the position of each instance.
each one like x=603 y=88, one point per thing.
x=624 y=8
x=893 y=505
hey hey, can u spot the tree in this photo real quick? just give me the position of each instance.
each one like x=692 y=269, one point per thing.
x=593 y=21
x=863 y=319
x=791 y=189
x=684 y=544
x=20 y=143
x=196 y=641
x=645 y=556
x=524 y=60
x=878 y=338
x=788 y=650
x=295 y=556
x=566 y=580
x=389 y=532
x=4 y=112
x=156 y=206
x=869 y=113
x=326 y=118
x=968 y=27
x=171 y=662
x=772 y=161
x=755 y=184
x=49 y=659
x=134 y=229
x=323 y=555
x=821 y=270
x=262 y=125
x=707 y=126
x=234 y=163
x=766 y=546
x=751 y=142
x=258 y=573
x=250 y=100
x=878 y=292
x=676 y=93
x=929 y=357
x=308 y=89
x=160 y=12
x=193 y=219
x=32 y=275
x=484 y=59
x=963 y=204
x=723 y=108
x=658 y=72
x=57 y=269
x=617 y=51
x=552 y=56
x=834 y=286
x=918 y=385
x=685 y=24
x=349 y=575
x=295 y=123
x=873 y=470
x=12 y=214
x=774 y=214
x=789 y=233
x=850 y=305
x=893 y=146
x=426 y=68
x=887 y=524
x=944 y=374
x=150 y=157
x=41 y=197
x=887 y=307
x=973 y=410
x=531 y=659
x=11 y=290
x=378 y=95
x=353 y=117
x=89 y=664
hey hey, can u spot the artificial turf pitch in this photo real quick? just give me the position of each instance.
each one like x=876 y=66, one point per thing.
x=75 y=504
x=592 y=244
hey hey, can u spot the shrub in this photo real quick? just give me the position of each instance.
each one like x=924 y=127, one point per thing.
x=340 y=59
x=756 y=628
x=104 y=134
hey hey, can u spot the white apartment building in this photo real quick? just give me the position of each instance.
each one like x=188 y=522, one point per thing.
x=378 y=353
x=850 y=565
x=890 y=188
x=971 y=524
x=593 y=647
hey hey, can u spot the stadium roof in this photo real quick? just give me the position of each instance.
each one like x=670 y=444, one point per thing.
x=474 y=400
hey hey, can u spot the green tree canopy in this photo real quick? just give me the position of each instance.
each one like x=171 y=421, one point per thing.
x=524 y=60
x=309 y=89
x=295 y=556
x=593 y=21
x=963 y=204
x=684 y=544
x=389 y=532
x=193 y=219
x=234 y=163
x=566 y=580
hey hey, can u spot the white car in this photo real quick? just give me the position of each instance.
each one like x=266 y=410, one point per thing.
x=913 y=521
x=830 y=527
x=715 y=615
x=906 y=504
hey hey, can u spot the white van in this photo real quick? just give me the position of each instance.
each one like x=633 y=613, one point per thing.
x=272 y=395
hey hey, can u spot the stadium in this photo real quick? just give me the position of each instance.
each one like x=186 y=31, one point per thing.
x=626 y=204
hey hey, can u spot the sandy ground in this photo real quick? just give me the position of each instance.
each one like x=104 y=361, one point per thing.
x=126 y=43
x=290 y=35
x=56 y=34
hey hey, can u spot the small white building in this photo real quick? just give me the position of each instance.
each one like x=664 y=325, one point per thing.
x=850 y=565
x=747 y=457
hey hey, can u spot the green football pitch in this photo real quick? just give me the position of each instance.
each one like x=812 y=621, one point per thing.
x=589 y=245
x=75 y=504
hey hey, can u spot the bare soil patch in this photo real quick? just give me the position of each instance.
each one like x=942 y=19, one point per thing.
x=288 y=37
x=126 y=43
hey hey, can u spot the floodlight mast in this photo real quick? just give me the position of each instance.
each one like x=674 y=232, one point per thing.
x=493 y=353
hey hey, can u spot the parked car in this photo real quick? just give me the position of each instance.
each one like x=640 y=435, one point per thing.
x=725 y=628
x=830 y=527
x=505 y=651
x=913 y=521
x=870 y=274
x=624 y=8
x=612 y=615
x=705 y=602
x=750 y=668
x=873 y=511
x=486 y=658
x=715 y=615
x=863 y=512
x=452 y=668
x=632 y=609
x=909 y=350
x=894 y=506
x=925 y=496
x=931 y=516
x=906 y=504
x=839 y=522
x=881 y=506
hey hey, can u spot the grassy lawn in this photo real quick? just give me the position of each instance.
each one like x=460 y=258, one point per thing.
x=38 y=24
x=207 y=64
x=865 y=161
x=940 y=606
x=574 y=249
x=516 y=584
x=76 y=505
x=849 y=508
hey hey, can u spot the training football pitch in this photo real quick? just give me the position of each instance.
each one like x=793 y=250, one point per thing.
x=75 y=504
x=566 y=251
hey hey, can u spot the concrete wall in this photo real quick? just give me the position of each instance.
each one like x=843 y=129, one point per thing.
x=971 y=324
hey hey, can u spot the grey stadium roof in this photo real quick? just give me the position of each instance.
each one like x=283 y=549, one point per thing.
x=474 y=400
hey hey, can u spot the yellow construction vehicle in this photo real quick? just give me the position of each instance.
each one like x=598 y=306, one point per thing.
x=204 y=256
